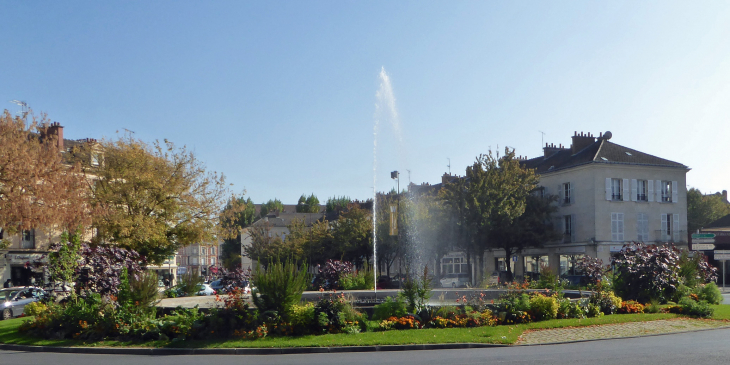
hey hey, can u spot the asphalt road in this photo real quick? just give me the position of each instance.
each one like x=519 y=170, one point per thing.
x=705 y=347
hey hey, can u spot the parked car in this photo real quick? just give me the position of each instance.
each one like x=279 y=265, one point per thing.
x=13 y=300
x=455 y=280
x=205 y=289
x=218 y=286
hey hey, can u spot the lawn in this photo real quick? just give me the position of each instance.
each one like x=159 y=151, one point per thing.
x=493 y=335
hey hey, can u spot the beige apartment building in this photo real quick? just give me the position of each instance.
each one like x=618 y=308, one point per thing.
x=608 y=195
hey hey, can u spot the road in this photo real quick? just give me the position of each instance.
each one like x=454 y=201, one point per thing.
x=705 y=347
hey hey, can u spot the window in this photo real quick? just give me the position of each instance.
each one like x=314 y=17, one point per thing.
x=212 y=261
x=566 y=193
x=195 y=260
x=617 y=227
x=568 y=228
x=642 y=191
x=642 y=227
x=212 y=251
x=670 y=227
x=666 y=191
x=28 y=239
x=202 y=250
x=616 y=189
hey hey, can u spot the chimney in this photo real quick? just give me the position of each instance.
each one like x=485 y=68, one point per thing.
x=581 y=141
x=55 y=129
x=551 y=149
x=724 y=194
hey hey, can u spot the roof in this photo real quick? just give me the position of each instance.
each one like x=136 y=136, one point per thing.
x=286 y=219
x=720 y=223
x=601 y=151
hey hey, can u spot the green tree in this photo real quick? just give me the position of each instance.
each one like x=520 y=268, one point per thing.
x=308 y=204
x=337 y=204
x=704 y=209
x=238 y=214
x=531 y=229
x=492 y=195
x=153 y=199
x=353 y=236
x=273 y=205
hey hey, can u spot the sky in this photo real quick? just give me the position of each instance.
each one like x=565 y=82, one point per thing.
x=280 y=96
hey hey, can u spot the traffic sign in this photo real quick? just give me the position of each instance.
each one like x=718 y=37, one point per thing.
x=722 y=254
x=703 y=235
x=702 y=246
x=703 y=240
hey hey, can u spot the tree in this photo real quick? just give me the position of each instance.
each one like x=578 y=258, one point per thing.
x=238 y=214
x=491 y=196
x=308 y=204
x=37 y=188
x=267 y=246
x=388 y=247
x=337 y=204
x=704 y=209
x=274 y=205
x=531 y=229
x=153 y=199
x=353 y=236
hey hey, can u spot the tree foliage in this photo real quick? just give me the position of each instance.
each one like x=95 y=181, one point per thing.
x=238 y=214
x=489 y=199
x=273 y=205
x=308 y=204
x=336 y=204
x=704 y=209
x=155 y=198
x=37 y=188
x=646 y=272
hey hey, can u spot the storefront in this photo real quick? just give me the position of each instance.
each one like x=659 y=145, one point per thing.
x=166 y=271
x=25 y=269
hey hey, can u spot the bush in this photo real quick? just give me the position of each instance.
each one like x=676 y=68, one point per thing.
x=631 y=307
x=694 y=308
x=544 y=307
x=188 y=283
x=360 y=280
x=416 y=291
x=302 y=318
x=278 y=288
x=513 y=307
x=591 y=268
x=607 y=301
x=710 y=293
x=695 y=270
x=645 y=272
x=548 y=280
x=144 y=290
x=571 y=309
x=35 y=308
x=391 y=307
x=328 y=276
x=336 y=315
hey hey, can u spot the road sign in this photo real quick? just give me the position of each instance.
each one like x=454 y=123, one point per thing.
x=721 y=254
x=703 y=235
x=703 y=240
x=702 y=246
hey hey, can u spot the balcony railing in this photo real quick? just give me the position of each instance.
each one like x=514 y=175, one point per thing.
x=662 y=236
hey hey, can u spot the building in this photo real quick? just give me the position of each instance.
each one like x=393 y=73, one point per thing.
x=201 y=258
x=23 y=256
x=608 y=195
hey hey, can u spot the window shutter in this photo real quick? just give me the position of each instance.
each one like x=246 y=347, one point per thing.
x=572 y=193
x=620 y=226
x=675 y=193
x=650 y=190
x=675 y=228
x=608 y=188
x=572 y=228
x=634 y=190
x=561 y=194
x=658 y=191
x=626 y=190
x=664 y=227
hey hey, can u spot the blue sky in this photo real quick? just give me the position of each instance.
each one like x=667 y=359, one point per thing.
x=280 y=96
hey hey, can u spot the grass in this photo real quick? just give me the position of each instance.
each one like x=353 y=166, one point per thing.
x=494 y=335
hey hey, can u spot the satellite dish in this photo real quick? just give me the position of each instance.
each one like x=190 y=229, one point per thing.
x=607 y=135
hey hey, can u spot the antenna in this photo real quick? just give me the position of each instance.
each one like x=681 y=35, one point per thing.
x=23 y=106
x=542 y=138
x=449 y=165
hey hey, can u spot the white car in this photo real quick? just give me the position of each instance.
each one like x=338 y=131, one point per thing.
x=205 y=289
x=455 y=281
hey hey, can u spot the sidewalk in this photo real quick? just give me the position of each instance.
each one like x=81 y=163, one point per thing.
x=608 y=331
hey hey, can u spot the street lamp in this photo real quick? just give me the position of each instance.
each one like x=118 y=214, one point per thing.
x=395 y=175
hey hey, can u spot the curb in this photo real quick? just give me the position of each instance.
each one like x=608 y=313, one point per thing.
x=619 y=338
x=244 y=351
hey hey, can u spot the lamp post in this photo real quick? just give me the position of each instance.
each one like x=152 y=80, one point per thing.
x=396 y=176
